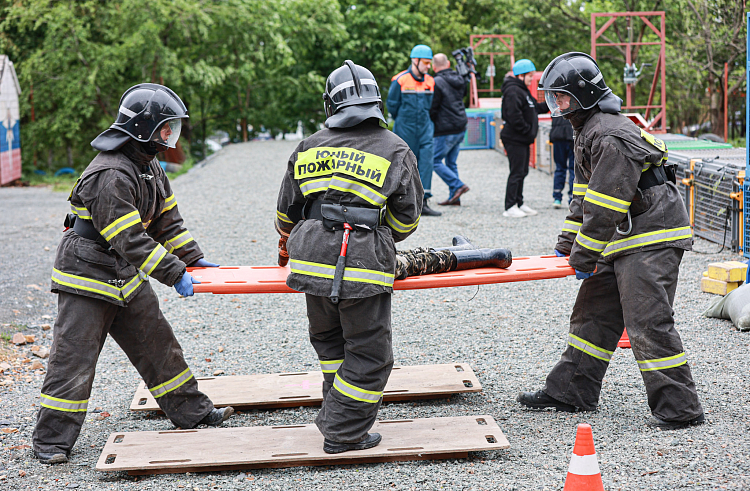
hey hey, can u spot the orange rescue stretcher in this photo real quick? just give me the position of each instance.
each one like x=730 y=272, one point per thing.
x=272 y=279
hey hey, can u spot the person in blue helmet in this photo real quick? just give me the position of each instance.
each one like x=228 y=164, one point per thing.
x=409 y=101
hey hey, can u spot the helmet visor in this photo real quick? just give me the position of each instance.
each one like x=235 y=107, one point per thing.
x=560 y=103
x=169 y=133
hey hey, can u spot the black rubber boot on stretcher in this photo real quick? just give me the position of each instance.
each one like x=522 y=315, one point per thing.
x=655 y=422
x=479 y=258
x=371 y=440
x=540 y=400
x=460 y=243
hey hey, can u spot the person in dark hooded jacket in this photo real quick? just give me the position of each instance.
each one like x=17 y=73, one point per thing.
x=449 y=116
x=520 y=112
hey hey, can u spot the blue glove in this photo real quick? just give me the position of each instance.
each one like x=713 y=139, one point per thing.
x=559 y=254
x=185 y=286
x=580 y=275
x=202 y=263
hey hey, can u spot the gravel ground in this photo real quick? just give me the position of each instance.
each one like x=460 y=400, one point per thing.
x=511 y=335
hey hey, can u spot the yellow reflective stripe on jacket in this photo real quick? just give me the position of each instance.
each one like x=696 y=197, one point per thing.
x=171 y=384
x=64 y=404
x=153 y=259
x=580 y=189
x=396 y=225
x=648 y=238
x=571 y=226
x=589 y=348
x=179 y=241
x=95 y=286
x=80 y=212
x=662 y=363
x=365 y=192
x=589 y=243
x=282 y=217
x=325 y=161
x=355 y=392
x=350 y=274
x=315 y=185
x=602 y=199
x=330 y=366
x=169 y=203
x=125 y=221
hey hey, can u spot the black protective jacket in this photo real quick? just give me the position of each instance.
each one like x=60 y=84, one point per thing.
x=448 y=111
x=611 y=156
x=126 y=196
x=364 y=166
x=520 y=113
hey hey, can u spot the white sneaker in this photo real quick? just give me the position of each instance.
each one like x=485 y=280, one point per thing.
x=527 y=210
x=514 y=212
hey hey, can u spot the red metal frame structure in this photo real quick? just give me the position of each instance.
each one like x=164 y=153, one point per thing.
x=474 y=41
x=657 y=124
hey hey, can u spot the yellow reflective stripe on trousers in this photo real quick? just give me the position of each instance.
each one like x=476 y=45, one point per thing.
x=95 y=286
x=315 y=185
x=398 y=226
x=602 y=199
x=350 y=274
x=179 y=241
x=169 y=203
x=80 y=212
x=125 y=221
x=64 y=405
x=365 y=192
x=639 y=240
x=589 y=349
x=580 y=189
x=282 y=217
x=330 y=366
x=662 y=363
x=171 y=384
x=571 y=226
x=355 y=392
x=153 y=259
x=589 y=243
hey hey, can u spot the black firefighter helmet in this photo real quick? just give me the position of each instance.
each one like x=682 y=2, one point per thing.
x=352 y=96
x=576 y=74
x=148 y=113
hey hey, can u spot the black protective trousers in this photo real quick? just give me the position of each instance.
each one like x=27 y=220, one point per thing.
x=355 y=335
x=518 y=158
x=637 y=291
x=146 y=338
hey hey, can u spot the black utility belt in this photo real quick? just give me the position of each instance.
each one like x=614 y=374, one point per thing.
x=85 y=229
x=335 y=215
x=657 y=175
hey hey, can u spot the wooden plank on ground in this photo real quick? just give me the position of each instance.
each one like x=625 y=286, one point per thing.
x=217 y=449
x=305 y=388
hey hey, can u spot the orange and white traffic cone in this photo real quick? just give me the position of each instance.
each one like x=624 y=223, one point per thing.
x=583 y=473
x=624 y=341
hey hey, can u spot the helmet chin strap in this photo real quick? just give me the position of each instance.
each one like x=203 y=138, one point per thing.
x=152 y=148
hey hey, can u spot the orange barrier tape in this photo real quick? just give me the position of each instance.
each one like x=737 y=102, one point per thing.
x=272 y=279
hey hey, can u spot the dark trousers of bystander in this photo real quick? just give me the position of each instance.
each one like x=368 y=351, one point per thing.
x=564 y=164
x=518 y=158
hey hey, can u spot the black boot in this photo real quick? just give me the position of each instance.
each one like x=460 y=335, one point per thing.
x=478 y=258
x=460 y=243
x=217 y=416
x=371 y=440
x=429 y=212
x=540 y=400
x=655 y=422
x=51 y=458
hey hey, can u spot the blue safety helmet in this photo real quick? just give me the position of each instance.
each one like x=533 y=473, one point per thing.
x=523 y=66
x=421 y=51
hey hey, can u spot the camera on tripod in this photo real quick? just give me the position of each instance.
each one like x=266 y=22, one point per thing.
x=465 y=62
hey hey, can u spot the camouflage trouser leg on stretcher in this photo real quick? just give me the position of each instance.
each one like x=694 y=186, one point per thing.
x=353 y=342
x=422 y=261
x=636 y=291
x=143 y=334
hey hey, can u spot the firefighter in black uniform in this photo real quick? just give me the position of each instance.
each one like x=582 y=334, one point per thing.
x=354 y=174
x=124 y=228
x=626 y=233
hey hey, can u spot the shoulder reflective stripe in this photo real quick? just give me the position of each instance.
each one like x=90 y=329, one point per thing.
x=121 y=224
x=397 y=225
x=330 y=366
x=588 y=348
x=365 y=192
x=584 y=465
x=80 y=212
x=660 y=145
x=354 y=392
x=283 y=217
x=312 y=269
x=589 y=243
x=350 y=274
x=662 y=363
x=179 y=241
x=169 y=203
x=602 y=199
x=571 y=226
x=64 y=405
x=648 y=238
x=153 y=259
x=315 y=185
x=171 y=384
x=580 y=189
x=325 y=161
x=86 y=284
